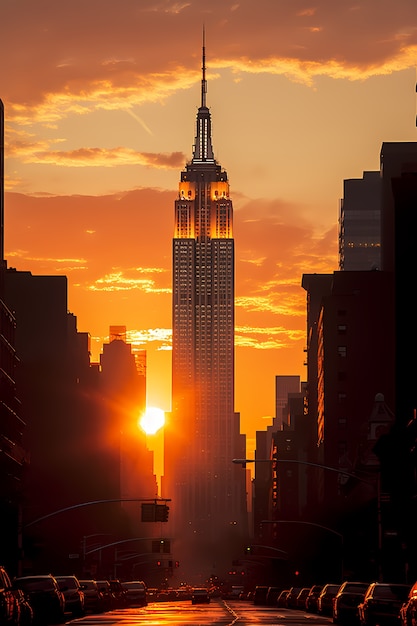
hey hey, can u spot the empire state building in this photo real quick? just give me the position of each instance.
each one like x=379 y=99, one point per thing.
x=202 y=435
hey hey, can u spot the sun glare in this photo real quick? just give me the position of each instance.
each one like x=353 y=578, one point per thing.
x=152 y=420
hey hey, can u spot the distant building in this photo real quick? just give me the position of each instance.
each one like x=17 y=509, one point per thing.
x=123 y=393
x=284 y=385
x=203 y=433
x=360 y=223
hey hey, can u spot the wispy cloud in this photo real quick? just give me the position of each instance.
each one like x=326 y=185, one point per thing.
x=93 y=157
x=119 y=281
x=274 y=338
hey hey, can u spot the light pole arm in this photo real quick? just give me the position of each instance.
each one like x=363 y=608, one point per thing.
x=82 y=504
x=338 y=470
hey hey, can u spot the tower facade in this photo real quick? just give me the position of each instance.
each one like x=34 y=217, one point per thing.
x=202 y=434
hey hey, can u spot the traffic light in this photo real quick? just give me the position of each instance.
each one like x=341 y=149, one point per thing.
x=177 y=563
x=159 y=563
x=161 y=545
x=161 y=512
x=165 y=546
x=148 y=512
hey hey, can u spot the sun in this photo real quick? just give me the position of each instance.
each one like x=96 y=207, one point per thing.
x=152 y=420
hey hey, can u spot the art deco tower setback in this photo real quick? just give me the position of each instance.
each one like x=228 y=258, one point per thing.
x=203 y=431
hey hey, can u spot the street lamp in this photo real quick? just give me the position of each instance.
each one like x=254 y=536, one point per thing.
x=330 y=530
x=341 y=472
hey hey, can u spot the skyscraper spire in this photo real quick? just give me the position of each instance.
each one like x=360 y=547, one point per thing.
x=203 y=149
x=203 y=81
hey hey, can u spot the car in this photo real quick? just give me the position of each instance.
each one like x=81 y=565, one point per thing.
x=93 y=597
x=291 y=599
x=272 y=595
x=408 y=611
x=109 y=600
x=345 y=602
x=282 y=598
x=325 y=599
x=300 y=601
x=26 y=617
x=45 y=597
x=119 y=593
x=259 y=594
x=382 y=604
x=9 y=606
x=183 y=593
x=235 y=592
x=136 y=592
x=200 y=595
x=312 y=597
x=73 y=594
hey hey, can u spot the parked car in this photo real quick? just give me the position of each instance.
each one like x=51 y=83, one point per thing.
x=272 y=595
x=109 y=600
x=93 y=597
x=259 y=594
x=311 y=600
x=119 y=593
x=345 y=602
x=45 y=597
x=73 y=594
x=300 y=601
x=282 y=598
x=200 y=595
x=291 y=599
x=136 y=592
x=408 y=611
x=26 y=617
x=325 y=599
x=382 y=604
x=9 y=606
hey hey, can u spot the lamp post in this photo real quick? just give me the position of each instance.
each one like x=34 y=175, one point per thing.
x=342 y=472
x=330 y=530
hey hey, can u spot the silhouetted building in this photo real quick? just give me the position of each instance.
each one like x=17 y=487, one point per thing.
x=353 y=351
x=360 y=223
x=399 y=218
x=283 y=386
x=203 y=435
x=13 y=456
x=123 y=392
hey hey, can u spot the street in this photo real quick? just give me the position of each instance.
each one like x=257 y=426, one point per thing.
x=218 y=612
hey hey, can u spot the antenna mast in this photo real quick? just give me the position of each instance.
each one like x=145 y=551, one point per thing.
x=204 y=82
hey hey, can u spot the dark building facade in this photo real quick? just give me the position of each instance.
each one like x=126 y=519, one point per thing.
x=360 y=223
x=123 y=395
x=14 y=457
x=202 y=433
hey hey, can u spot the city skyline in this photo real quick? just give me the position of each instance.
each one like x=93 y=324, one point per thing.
x=97 y=128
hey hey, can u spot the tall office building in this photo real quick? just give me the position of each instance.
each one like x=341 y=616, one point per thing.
x=202 y=433
x=360 y=223
x=284 y=385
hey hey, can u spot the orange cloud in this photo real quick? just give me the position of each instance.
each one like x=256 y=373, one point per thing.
x=66 y=59
x=101 y=157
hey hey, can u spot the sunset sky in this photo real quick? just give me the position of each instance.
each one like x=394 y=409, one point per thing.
x=100 y=106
